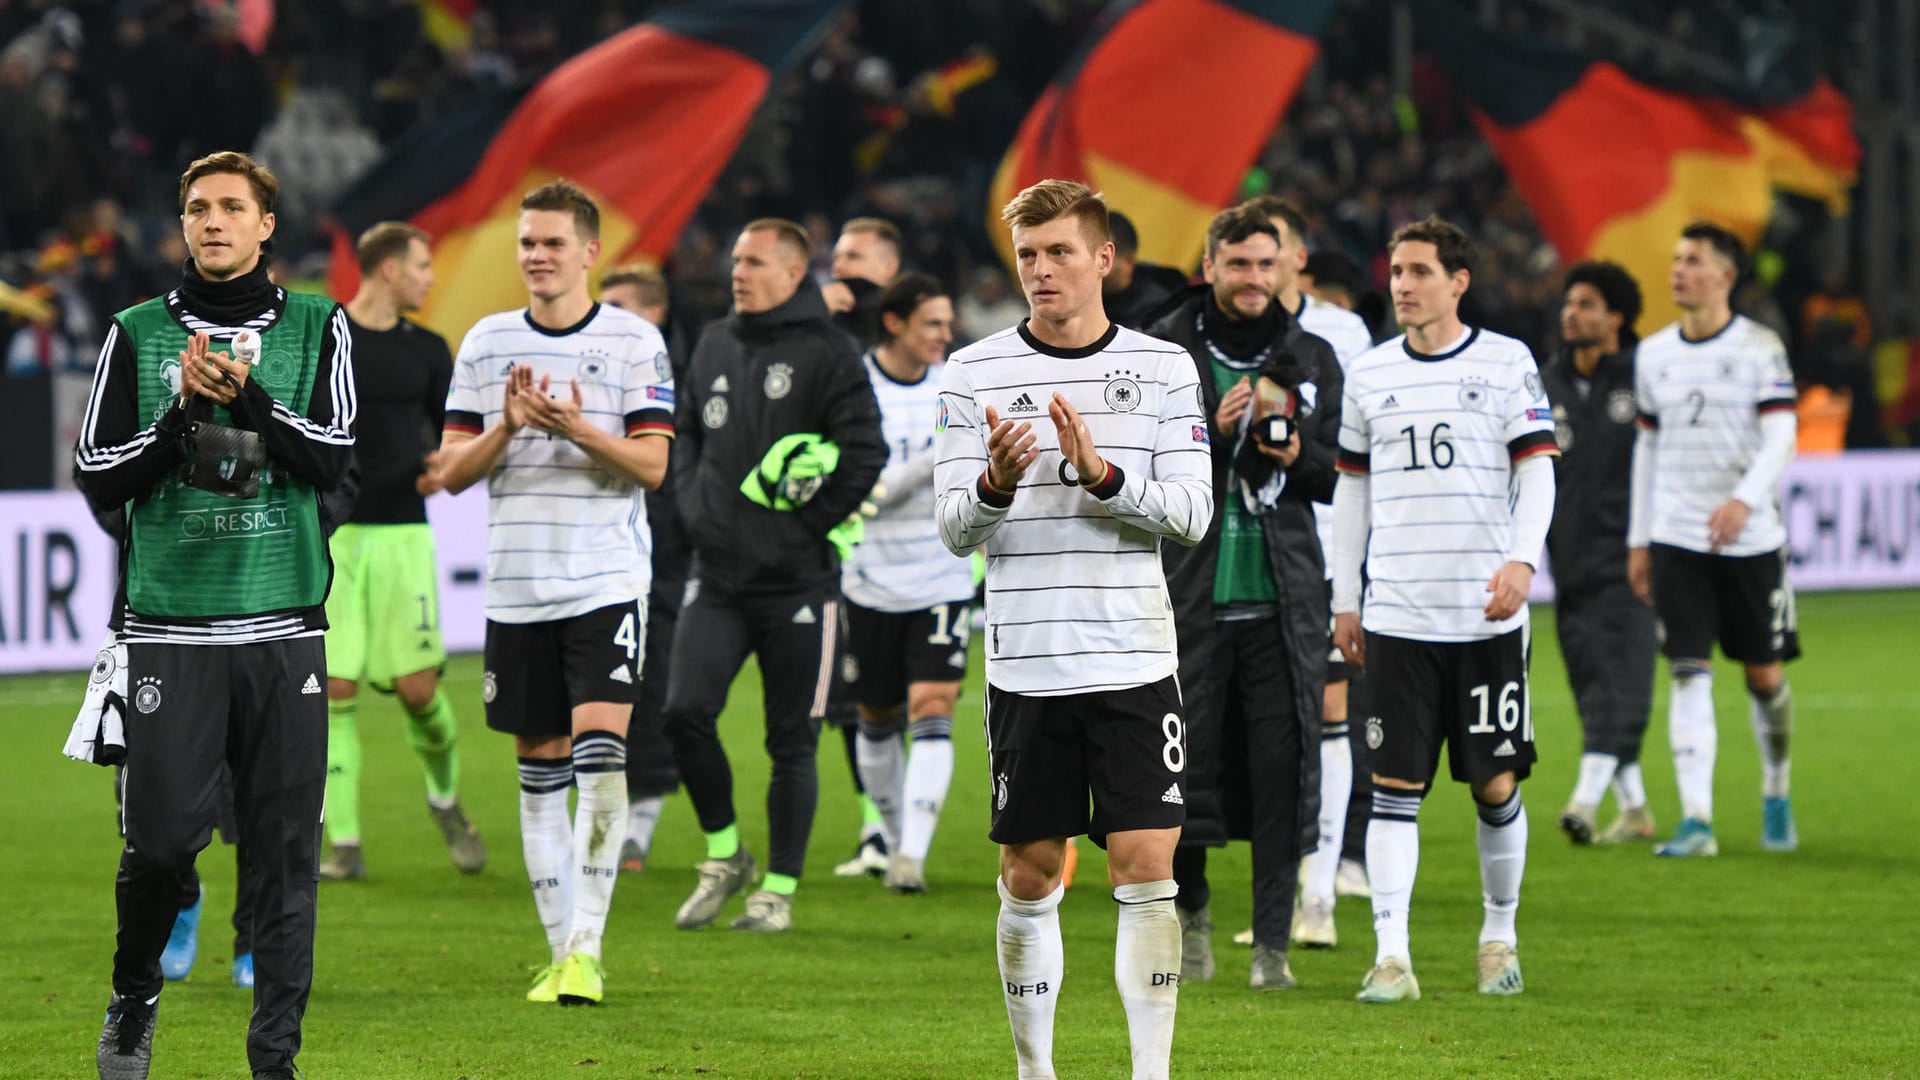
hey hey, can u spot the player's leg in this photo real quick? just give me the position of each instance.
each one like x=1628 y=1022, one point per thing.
x=1134 y=742
x=1039 y=784
x=433 y=732
x=346 y=642
x=1585 y=641
x=709 y=645
x=1686 y=597
x=1406 y=683
x=796 y=639
x=603 y=650
x=179 y=696
x=880 y=757
x=651 y=775
x=246 y=890
x=936 y=666
x=1636 y=648
x=525 y=695
x=1274 y=744
x=1757 y=628
x=1314 y=927
x=871 y=677
x=1490 y=748
x=1351 y=878
x=277 y=754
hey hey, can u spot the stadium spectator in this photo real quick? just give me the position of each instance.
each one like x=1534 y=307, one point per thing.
x=1133 y=291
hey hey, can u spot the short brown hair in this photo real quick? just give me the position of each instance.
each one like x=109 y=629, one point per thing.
x=791 y=233
x=880 y=227
x=1449 y=241
x=1273 y=206
x=266 y=186
x=566 y=197
x=647 y=280
x=1050 y=200
x=387 y=240
x=1239 y=223
x=1720 y=240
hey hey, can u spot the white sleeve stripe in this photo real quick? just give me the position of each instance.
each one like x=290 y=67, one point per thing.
x=340 y=384
x=90 y=456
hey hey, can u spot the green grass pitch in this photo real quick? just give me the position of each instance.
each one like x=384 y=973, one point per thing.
x=1748 y=965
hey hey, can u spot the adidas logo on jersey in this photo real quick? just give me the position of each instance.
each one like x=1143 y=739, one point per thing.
x=621 y=674
x=719 y=386
x=1173 y=796
x=311 y=686
x=1023 y=404
x=804 y=617
x=1505 y=749
x=1390 y=403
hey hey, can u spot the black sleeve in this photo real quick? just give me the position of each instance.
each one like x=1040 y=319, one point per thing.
x=438 y=381
x=116 y=458
x=1312 y=474
x=689 y=438
x=316 y=447
x=851 y=420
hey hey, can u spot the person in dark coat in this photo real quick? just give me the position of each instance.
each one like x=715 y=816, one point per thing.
x=1250 y=600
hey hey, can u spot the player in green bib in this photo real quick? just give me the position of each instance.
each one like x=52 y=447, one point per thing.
x=384 y=613
x=218 y=459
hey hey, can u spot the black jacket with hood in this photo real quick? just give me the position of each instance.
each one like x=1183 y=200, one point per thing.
x=1293 y=554
x=754 y=379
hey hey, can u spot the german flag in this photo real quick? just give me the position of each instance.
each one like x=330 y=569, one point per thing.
x=1615 y=163
x=448 y=23
x=1163 y=108
x=643 y=121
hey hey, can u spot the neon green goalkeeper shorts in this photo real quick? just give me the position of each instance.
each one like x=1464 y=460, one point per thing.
x=383 y=615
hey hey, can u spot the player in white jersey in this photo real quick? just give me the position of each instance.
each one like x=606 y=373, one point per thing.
x=565 y=408
x=909 y=599
x=1705 y=542
x=1081 y=696
x=1349 y=336
x=1446 y=492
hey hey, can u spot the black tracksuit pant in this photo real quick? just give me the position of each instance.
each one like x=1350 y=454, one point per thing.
x=191 y=708
x=650 y=767
x=1609 y=639
x=1251 y=697
x=792 y=635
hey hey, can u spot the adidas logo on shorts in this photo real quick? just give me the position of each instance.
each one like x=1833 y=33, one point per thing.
x=804 y=617
x=311 y=686
x=1173 y=796
x=621 y=674
x=1023 y=404
x=1505 y=749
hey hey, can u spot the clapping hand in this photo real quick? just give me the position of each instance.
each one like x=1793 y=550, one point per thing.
x=1011 y=450
x=1076 y=442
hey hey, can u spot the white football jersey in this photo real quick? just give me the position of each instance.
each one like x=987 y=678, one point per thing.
x=1704 y=400
x=1438 y=437
x=564 y=536
x=1349 y=336
x=901 y=565
x=1076 y=600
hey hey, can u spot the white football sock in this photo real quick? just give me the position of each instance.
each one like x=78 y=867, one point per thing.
x=1146 y=969
x=1596 y=771
x=882 y=763
x=1772 y=728
x=1032 y=961
x=599 y=825
x=1503 y=861
x=1336 y=788
x=1393 y=859
x=643 y=815
x=929 y=774
x=546 y=843
x=1695 y=738
x=1629 y=786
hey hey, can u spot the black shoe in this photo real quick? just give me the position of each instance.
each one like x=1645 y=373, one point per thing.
x=126 y=1039
x=277 y=1074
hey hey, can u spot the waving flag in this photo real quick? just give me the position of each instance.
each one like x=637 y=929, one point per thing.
x=643 y=121
x=1615 y=164
x=1164 y=109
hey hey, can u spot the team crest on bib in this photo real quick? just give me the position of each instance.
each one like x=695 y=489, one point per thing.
x=146 y=695
x=1123 y=393
x=593 y=365
x=276 y=368
x=779 y=382
x=489 y=688
x=1473 y=393
x=1376 y=734
x=1620 y=406
x=714 y=412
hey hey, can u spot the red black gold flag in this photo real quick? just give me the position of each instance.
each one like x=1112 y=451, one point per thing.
x=448 y=23
x=643 y=121
x=1163 y=109
x=1615 y=163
